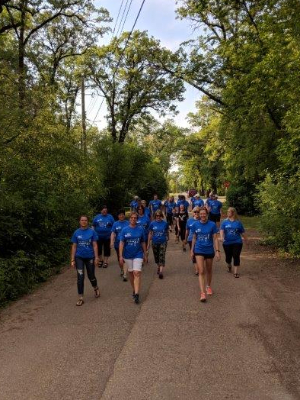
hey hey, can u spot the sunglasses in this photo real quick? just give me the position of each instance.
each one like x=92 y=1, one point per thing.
x=196 y=212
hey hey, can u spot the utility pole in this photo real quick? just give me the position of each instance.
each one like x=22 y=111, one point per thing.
x=83 y=118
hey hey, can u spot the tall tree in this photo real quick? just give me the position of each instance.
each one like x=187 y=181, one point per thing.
x=127 y=74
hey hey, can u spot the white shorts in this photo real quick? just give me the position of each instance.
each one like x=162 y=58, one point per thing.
x=134 y=264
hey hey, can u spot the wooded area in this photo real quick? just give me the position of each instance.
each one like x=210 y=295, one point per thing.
x=245 y=62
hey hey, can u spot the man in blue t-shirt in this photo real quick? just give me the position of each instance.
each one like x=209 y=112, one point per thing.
x=134 y=203
x=102 y=224
x=155 y=205
x=198 y=202
x=215 y=209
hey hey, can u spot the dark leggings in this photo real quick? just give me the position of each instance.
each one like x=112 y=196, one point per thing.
x=233 y=251
x=182 y=231
x=105 y=245
x=170 y=220
x=159 y=252
x=88 y=263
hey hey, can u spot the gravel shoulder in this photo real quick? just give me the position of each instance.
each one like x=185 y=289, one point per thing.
x=242 y=344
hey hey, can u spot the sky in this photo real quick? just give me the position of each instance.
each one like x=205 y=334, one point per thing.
x=158 y=17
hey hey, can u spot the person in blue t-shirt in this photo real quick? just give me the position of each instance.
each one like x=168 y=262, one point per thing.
x=134 y=203
x=84 y=253
x=189 y=234
x=144 y=221
x=102 y=224
x=155 y=205
x=159 y=235
x=198 y=202
x=132 y=250
x=182 y=201
x=115 y=239
x=146 y=209
x=232 y=234
x=215 y=210
x=204 y=245
x=169 y=206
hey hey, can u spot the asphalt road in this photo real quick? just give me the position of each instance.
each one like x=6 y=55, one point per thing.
x=242 y=344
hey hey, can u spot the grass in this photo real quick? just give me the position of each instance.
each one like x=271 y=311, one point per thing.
x=250 y=222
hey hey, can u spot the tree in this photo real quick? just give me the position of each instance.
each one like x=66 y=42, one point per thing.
x=127 y=74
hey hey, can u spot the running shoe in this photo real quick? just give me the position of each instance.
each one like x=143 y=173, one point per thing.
x=184 y=249
x=161 y=276
x=209 y=290
x=124 y=278
x=137 y=298
x=133 y=295
x=202 y=297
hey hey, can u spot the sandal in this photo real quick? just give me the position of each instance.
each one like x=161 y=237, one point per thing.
x=79 y=302
x=97 y=292
x=100 y=265
x=105 y=265
x=236 y=275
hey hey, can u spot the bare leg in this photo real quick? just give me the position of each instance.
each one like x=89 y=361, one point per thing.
x=137 y=281
x=201 y=269
x=131 y=279
x=209 y=263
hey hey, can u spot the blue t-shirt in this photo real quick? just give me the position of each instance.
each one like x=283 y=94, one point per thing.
x=232 y=231
x=170 y=205
x=184 y=202
x=103 y=225
x=204 y=236
x=155 y=205
x=144 y=222
x=189 y=224
x=192 y=201
x=116 y=229
x=84 y=239
x=147 y=212
x=132 y=239
x=198 y=203
x=133 y=205
x=159 y=231
x=215 y=207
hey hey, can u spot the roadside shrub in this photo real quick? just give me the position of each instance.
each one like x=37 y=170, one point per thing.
x=279 y=203
x=242 y=197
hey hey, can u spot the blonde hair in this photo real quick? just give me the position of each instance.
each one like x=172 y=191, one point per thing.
x=233 y=210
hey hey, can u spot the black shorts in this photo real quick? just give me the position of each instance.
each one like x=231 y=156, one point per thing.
x=214 y=217
x=205 y=255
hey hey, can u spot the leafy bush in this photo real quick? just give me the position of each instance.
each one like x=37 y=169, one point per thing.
x=242 y=197
x=279 y=202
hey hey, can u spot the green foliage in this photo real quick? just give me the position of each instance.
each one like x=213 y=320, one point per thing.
x=126 y=170
x=242 y=197
x=279 y=202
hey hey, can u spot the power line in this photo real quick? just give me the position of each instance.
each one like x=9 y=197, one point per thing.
x=130 y=33
x=126 y=16
x=117 y=17
x=121 y=21
x=98 y=110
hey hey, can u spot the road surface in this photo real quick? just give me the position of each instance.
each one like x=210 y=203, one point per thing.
x=242 y=344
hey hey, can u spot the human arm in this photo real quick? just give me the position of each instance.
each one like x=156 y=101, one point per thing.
x=145 y=252
x=112 y=239
x=217 y=247
x=95 y=247
x=193 y=245
x=121 y=248
x=73 y=252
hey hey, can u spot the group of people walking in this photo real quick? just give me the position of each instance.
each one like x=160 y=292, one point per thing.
x=151 y=226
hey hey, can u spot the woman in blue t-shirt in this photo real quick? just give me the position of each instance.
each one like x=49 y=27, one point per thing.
x=159 y=235
x=84 y=253
x=115 y=239
x=204 y=246
x=189 y=234
x=102 y=224
x=132 y=250
x=232 y=234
